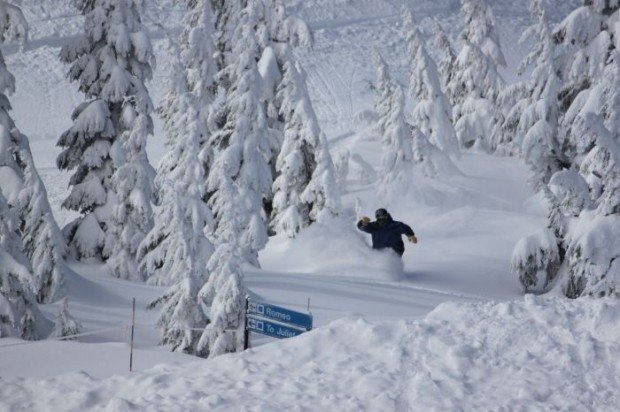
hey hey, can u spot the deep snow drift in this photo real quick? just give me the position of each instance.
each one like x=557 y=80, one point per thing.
x=547 y=353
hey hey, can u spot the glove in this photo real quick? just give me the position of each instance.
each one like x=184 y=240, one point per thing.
x=365 y=221
x=412 y=239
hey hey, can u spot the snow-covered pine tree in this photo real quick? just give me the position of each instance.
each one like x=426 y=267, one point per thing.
x=282 y=28
x=479 y=29
x=276 y=33
x=297 y=158
x=509 y=106
x=41 y=238
x=176 y=251
x=341 y=167
x=181 y=317
x=200 y=68
x=241 y=179
x=177 y=243
x=584 y=199
x=432 y=113
x=536 y=261
x=397 y=157
x=589 y=131
x=180 y=182
x=226 y=14
x=43 y=242
x=475 y=85
x=431 y=161
x=198 y=53
x=570 y=192
x=19 y=313
x=588 y=68
x=322 y=192
x=65 y=324
x=132 y=216
x=303 y=151
x=111 y=185
x=384 y=91
x=531 y=126
x=224 y=294
x=593 y=241
x=447 y=54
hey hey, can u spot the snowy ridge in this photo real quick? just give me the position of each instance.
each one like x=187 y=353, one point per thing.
x=461 y=356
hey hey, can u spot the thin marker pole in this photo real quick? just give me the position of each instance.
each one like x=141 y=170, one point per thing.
x=133 y=324
x=309 y=313
x=246 y=332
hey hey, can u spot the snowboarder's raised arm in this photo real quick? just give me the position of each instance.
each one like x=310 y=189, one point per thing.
x=365 y=225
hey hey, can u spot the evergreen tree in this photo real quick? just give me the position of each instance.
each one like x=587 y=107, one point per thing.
x=584 y=198
x=176 y=251
x=475 y=85
x=177 y=243
x=41 y=238
x=181 y=316
x=198 y=53
x=531 y=127
x=397 y=157
x=384 y=90
x=112 y=183
x=276 y=33
x=225 y=295
x=65 y=324
x=43 y=242
x=431 y=161
x=536 y=261
x=294 y=206
x=447 y=53
x=322 y=193
x=19 y=313
x=200 y=67
x=241 y=178
x=589 y=130
x=227 y=13
x=432 y=114
x=506 y=138
x=170 y=250
x=479 y=29
x=296 y=160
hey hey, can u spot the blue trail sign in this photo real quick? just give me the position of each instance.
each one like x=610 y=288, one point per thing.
x=280 y=314
x=272 y=329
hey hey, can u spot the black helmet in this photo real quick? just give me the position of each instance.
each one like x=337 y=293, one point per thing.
x=381 y=214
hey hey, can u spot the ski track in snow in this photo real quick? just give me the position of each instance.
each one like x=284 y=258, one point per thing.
x=376 y=346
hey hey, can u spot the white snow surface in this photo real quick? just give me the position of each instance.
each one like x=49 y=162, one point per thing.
x=539 y=353
x=446 y=329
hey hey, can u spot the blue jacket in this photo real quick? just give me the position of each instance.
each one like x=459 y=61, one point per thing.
x=387 y=235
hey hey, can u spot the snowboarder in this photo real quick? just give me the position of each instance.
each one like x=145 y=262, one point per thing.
x=387 y=232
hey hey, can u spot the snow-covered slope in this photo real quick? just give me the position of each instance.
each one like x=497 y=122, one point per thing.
x=380 y=344
x=541 y=353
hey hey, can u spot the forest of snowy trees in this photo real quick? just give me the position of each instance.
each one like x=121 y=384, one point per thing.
x=247 y=159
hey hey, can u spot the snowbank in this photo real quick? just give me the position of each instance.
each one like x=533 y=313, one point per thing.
x=538 y=353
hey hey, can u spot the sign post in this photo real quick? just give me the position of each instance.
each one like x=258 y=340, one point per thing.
x=133 y=324
x=246 y=332
x=274 y=321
